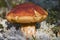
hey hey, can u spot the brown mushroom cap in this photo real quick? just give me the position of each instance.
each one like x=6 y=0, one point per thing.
x=27 y=13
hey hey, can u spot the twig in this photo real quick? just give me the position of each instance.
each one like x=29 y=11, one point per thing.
x=8 y=4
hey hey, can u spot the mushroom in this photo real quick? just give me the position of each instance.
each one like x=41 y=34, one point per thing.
x=27 y=14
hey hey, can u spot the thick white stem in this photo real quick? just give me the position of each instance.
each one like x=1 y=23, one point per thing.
x=28 y=30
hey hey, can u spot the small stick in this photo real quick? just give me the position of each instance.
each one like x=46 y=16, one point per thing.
x=8 y=4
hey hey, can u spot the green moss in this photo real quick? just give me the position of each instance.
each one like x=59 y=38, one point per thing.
x=2 y=3
x=34 y=38
x=1 y=26
x=56 y=29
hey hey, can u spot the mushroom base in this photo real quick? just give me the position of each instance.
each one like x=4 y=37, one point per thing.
x=28 y=29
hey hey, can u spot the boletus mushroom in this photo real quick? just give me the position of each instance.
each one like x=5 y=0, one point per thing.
x=27 y=14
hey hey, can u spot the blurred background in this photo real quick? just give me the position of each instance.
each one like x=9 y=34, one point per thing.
x=51 y=6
